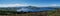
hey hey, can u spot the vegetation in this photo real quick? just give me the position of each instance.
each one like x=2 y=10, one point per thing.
x=55 y=12
x=51 y=12
x=2 y=12
x=13 y=11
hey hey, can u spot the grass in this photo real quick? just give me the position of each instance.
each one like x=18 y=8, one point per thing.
x=6 y=12
x=52 y=12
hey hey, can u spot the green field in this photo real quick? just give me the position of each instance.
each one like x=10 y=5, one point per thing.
x=53 y=13
x=50 y=13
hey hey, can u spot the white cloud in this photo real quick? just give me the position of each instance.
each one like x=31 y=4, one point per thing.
x=17 y=5
x=12 y=5
x=50 y=5
x=53 y=5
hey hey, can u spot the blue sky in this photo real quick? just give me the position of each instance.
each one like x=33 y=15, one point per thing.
x=39 y=3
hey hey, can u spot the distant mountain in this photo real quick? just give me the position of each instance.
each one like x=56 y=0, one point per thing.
x=8 y=8
x=34 y=9
x=27 y=8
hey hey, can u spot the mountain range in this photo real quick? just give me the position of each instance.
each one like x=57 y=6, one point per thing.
x=27 y=8
x=34 y=9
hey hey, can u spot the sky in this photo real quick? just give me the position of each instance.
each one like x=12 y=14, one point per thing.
x=39 y=3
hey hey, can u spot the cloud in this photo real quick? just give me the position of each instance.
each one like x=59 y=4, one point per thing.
x=48 y=5
x=12 y=5
x=17 y=5
x=53 y=5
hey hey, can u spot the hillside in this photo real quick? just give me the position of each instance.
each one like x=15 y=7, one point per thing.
x=27 y=10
